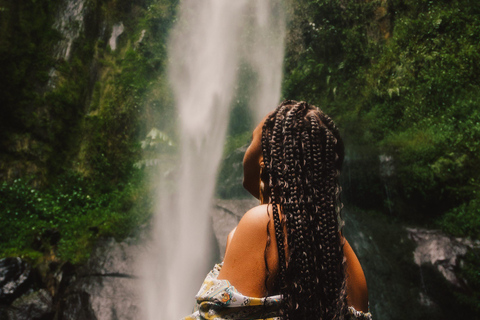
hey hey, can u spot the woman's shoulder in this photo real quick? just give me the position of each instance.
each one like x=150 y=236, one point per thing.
x=260 y=213
x=257 y=215
x=244 y=262
x=252 y=225
x=256 y=226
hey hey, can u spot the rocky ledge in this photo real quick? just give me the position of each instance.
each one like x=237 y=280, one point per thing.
x=103 y=288
x=441 y=251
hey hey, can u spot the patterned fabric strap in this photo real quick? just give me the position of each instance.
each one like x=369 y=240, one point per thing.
x=357 y=315
x=219 y=300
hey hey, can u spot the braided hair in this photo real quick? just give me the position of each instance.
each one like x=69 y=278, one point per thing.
x=303 y=154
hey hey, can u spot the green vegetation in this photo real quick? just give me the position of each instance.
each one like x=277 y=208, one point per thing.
x=71 y=127
x=68 y=216
x=117 y=117
x=463 y=220
x=400 y=79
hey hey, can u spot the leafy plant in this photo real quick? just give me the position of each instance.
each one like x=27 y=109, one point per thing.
x=74 y=209
x=463 y=220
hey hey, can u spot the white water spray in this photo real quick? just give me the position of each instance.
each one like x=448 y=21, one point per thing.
x=207 y=45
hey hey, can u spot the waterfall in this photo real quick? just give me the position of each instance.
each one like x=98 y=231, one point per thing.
x=210 y=40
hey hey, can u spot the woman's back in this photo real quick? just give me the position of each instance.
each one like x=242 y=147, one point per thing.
x=251 y=261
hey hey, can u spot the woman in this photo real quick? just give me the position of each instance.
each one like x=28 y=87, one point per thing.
x=287 y=257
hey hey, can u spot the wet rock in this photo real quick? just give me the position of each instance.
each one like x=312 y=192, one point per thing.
x=106 y=287
x=69 y=22
x=15 y=279
x=395 y=286
x=142 y=36
x=441 y=251
x=116 y=32
x=33 y=306
x=101 y=298
x=110 y=257
x=76 y=307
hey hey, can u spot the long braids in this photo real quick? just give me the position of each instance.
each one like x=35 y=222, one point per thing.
x=274 y=165
x=302 y=154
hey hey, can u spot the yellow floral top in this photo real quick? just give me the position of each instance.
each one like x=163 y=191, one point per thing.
x=219 y=300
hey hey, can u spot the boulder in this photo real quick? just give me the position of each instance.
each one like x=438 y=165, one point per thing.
x=105 y=288
x=442 y=251
x=16 y=278
x=32 y=306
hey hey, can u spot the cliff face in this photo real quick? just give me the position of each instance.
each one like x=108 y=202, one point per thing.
x=75 y=76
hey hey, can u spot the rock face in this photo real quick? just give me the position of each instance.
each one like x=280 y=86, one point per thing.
x=32 y=306
x=20 y=298
x=105 y=288
x=15 y=279
x=441 y=251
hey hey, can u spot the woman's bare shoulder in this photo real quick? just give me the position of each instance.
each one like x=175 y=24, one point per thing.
x=252 y=226
x=255 y=216
x=243 y=264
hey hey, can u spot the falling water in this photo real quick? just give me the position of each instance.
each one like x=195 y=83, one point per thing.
x=210 y=40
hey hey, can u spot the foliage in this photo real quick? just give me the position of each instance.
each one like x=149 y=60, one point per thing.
x=26 y=38
x=230 y=175
x=324 y=63
x=360 y=180
x=114 y=125
x=237 y=141
x=399 y=78
x=76 y=134
x=463 y=220
x=84 y=111
x=422 y=91
x=68 y=216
